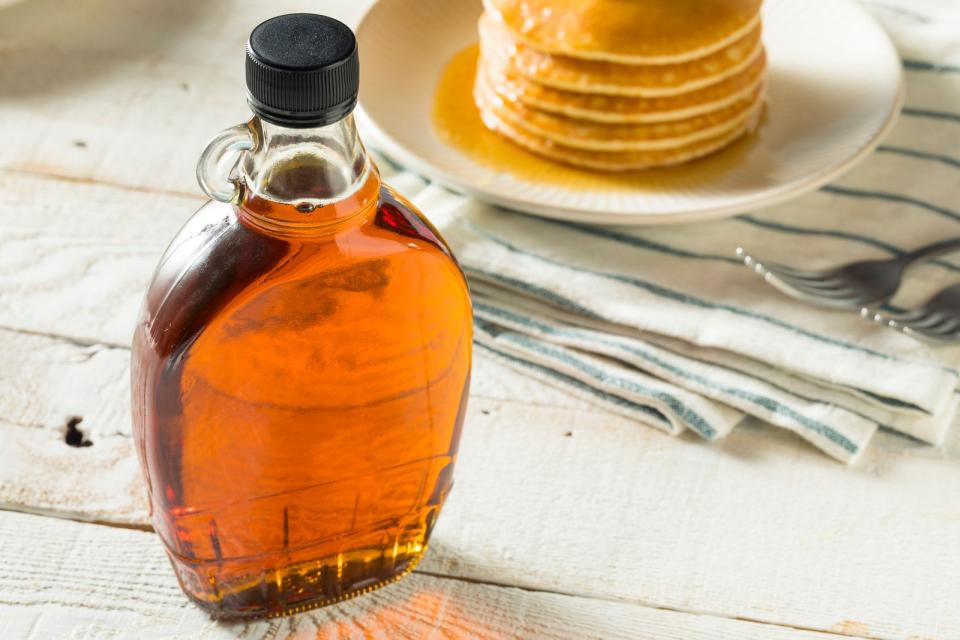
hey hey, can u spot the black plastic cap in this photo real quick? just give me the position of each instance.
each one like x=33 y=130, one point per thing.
x=303 y=70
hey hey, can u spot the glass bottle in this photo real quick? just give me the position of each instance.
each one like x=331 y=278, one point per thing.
x=302 y=360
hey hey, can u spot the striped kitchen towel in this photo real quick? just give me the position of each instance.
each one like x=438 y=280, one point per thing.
x=666 y=326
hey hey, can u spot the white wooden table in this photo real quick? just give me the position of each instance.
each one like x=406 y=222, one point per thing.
x=565 y=522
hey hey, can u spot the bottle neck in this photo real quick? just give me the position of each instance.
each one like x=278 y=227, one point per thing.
x=298 y=179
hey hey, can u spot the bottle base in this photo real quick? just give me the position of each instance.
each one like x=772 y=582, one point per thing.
x=294 y=589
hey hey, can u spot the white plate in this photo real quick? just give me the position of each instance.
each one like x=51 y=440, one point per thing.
x=835 y=88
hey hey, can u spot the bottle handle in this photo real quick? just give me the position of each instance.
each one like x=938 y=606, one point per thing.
x=218 y=181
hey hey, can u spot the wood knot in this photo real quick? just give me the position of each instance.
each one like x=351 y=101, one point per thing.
x=74 y=436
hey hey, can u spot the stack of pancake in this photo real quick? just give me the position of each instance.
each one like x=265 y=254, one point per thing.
x=621 y=84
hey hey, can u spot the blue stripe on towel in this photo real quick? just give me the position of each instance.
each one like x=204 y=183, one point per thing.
x=764 y=402
x=927 y=113
x=579 y=384
x=891 y=197
x=832 y=233
x=922 y=155
x=683 y=298
x=688 y=415
x=643 y=243
x=544 y=294
x=923 y=65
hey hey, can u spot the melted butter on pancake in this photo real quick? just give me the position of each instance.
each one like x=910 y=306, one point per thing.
x=628 y=31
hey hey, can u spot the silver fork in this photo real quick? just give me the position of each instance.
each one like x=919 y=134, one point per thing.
x=937 y=320
x=854 y=285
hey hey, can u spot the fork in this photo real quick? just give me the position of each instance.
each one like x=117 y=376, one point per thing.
x=854 y=285
x=938 y=320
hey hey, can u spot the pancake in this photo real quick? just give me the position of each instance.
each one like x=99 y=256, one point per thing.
x=621 y=84
x=498 y=44
x=584 y=134
x=616 y=160
x=510 y=84
x=648 y=32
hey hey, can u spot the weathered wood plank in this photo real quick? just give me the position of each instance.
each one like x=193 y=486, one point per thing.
x=126 y=93
x=40 y=473
x=64 y=579
x=771 y=532
x=576 y=501
x=76 y=257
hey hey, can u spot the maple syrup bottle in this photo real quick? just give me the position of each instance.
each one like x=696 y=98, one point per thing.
x=302 y=360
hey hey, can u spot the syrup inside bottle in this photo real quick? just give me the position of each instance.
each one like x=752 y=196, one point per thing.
x=300 y=371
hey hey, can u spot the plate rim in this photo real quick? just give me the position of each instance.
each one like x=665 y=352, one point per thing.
x=434 y=173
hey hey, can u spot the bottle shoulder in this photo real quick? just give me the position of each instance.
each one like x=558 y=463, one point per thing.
x=398 y=214
x=217 y=267
x=401 y=217
x=207 y=264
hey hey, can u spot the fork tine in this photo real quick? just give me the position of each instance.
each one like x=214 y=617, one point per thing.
x=814 y=279
x=756 y=263
x=940 y=338
x=902 y=316
x=845 y=286
x=950 y=336
x=878 y=317
x=918 y=320
x=809 y=296
x=824 y=279
x=799 y=274
x=835 y=293
x=928 y=322
x=938 y=324
x=950 y=326
x=921 y=323
x=825 y=285
x=813 y=276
